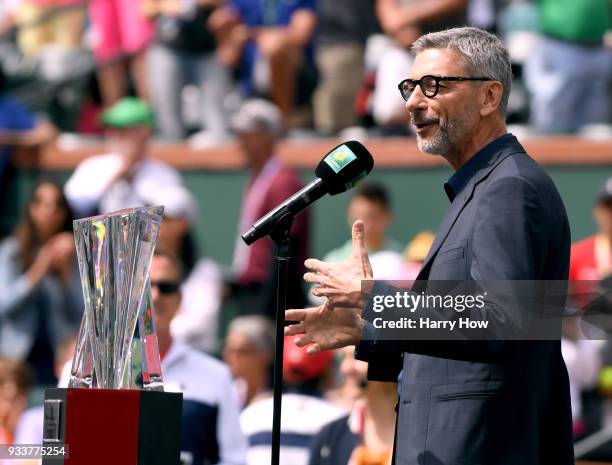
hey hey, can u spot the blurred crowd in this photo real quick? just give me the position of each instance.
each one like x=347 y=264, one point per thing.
x=329 y=65
x=221 y=359
x=255 y=70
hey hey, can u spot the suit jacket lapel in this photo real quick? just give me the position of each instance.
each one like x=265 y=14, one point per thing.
x=459 y=203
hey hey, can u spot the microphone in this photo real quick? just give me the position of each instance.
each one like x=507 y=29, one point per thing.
x=340 y=170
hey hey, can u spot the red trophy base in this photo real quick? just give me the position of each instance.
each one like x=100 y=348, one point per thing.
x=113 y=426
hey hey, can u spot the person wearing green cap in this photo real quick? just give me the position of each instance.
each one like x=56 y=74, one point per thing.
x=122 y=177
x=128 y=112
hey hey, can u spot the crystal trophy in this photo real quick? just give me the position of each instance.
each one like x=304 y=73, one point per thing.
x=127 y=419
x=117 y=344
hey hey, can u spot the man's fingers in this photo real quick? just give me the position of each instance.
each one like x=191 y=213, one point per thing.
x=314 y=278
x=329 y=292
x=313 y=349
x=317 y=265
x=302 y=341
x=295 y=314
x=292 y=330
x=321 y=291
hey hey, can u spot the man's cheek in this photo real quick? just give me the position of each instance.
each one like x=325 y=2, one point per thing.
x=159 y=315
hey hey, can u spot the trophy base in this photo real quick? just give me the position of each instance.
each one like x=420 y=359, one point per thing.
x=113 y=426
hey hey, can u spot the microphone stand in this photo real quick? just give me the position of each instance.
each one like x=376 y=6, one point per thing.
x=280 y=235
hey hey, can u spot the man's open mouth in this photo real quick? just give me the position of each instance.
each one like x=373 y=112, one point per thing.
x=423 y=125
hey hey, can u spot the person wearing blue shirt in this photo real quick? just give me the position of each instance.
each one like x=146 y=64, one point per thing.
x=273 y=40
x=19 y=127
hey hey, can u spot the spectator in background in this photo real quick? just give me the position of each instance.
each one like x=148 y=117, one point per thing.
x=15 y=381
x=583 y=360
x=259 y=126
x=590 y=264
x=121 y=35
x=483 y=13
x=371 y=204
x=7 y=17
x=30 y=427
x=210 y=430
x=53 y=56
x=415 y=254
x=40 y=296
x=248 y=351
x=122 y=178
x=569 y=72
x=197 y=321
x=49 y=22
x=184 y=53
x=303 y=413
x=403 y=21
x=19 y=127
x=273 y=39
x=343 y=26
x=351 y=377
x=591 y=258
x=365 y=437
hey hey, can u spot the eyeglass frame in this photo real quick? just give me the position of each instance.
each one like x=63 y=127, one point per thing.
x=437 y=80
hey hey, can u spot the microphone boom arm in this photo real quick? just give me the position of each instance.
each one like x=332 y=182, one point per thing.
x=266 y=225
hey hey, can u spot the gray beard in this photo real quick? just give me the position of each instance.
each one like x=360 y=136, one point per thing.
x=445 y=140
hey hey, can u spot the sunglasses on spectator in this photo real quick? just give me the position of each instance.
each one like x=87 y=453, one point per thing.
x=430 y=85
x=166 y=287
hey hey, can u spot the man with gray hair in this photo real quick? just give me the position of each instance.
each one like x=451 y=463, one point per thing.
x=477 y=402
x=248 y=351
x=258 y=125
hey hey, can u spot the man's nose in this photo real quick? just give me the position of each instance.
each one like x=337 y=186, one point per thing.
x=416 y=101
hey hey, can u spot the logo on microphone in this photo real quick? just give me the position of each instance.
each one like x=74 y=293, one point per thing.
x=339 y=158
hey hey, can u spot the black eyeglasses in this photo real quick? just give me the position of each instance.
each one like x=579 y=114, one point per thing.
x=430 y=85
x=166 y=287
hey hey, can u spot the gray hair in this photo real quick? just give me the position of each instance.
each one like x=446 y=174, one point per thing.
x=258 y=329
x=484 y=54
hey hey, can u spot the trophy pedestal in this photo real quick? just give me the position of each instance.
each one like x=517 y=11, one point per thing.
x=113 y=426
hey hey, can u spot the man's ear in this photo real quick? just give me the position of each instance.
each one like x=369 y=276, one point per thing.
x=491 y=96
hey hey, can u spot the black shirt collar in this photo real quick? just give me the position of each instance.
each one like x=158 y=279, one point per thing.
x=462 y=176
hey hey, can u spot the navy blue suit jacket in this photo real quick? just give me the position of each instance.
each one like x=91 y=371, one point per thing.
x=468 y=403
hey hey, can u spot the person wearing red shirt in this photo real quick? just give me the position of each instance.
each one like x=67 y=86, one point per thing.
x=259 y=125
x=591 y=258
x=590 y=264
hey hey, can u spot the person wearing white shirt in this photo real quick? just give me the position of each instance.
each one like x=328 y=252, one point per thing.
x=8 y=9
x=121 y=178
x=196 y=323
x=583 y=360
x=371 y=203
x=304 y=411
x=249 y=353
x=210 y=430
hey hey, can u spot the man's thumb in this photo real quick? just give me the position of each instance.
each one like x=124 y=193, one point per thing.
x=358 y=235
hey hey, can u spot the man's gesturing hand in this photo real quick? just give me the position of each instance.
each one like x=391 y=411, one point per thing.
x=337 y=323
x=340 y=282
x=324 y=328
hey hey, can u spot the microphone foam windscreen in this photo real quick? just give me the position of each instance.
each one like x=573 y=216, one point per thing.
x=344 y=166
